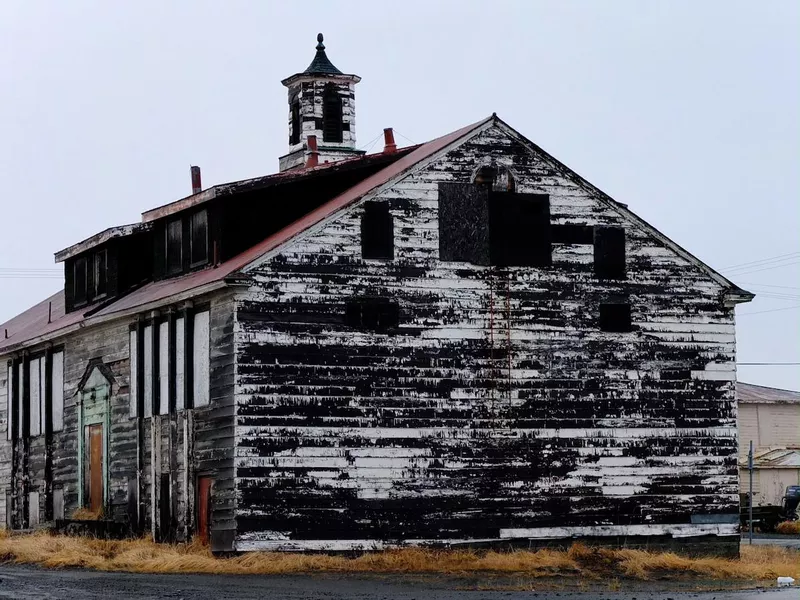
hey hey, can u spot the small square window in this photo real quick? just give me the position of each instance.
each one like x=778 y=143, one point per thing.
x=377 y=231
x=609 y=252
x=615 y=317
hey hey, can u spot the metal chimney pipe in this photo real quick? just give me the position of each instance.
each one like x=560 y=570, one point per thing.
x=197 y=185
x=388 y=141
x=313 y=154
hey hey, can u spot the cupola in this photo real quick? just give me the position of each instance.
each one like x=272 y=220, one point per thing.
x=322 y=106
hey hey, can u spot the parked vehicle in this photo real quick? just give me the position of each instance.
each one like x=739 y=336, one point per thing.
x=767 y=517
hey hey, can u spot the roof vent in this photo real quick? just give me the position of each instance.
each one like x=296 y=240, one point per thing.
x=389 y=146
x=197 y=185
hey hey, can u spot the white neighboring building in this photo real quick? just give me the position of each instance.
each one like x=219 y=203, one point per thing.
x=770 y=417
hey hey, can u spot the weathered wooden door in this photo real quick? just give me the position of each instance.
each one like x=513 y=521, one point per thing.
x=95 y=435
x=203 y=508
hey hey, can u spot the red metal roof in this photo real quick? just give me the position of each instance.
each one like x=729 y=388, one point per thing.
x=32 y=325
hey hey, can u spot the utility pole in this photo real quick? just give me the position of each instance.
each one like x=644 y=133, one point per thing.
x=750 y=468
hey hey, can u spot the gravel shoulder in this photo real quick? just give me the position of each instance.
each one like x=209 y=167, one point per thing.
x=24 y=582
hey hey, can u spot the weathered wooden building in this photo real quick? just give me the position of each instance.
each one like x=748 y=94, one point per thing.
x=461 y=341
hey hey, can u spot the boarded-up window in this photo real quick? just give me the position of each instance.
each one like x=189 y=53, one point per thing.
x=200 y=363
x=520 y=229
x=609 y=252
x=377 y=231
x=331 y=115
x=133 y=389
x=57 y=391
x=80 y=281
x=58 y=503
x=34 y=511
x=464 y=223
x=372 y=314
x=147 y=339
x=35 y=397
x=198 y=228
x=615 y=317
x=20 y=398
x=174 y=246
x=180 y=362
x=10 y=402
x=163 y=368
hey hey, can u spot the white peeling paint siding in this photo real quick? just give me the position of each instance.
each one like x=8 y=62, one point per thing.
x=498 y=409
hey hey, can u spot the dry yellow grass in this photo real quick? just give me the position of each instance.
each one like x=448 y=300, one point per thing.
x=142 y=556
x=85 y=514
x=788 y=527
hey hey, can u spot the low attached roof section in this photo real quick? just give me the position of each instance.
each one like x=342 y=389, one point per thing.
x=759 y=394
x=33 y=326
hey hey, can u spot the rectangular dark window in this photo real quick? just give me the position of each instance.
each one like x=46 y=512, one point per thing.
x=174 y=247
x=331 y=115
x=80 y=280
x=295 y=137
x=520 y=229
x=609 y=252
x=615 y=317
x=377 y=231
x=100 y=279
x=373 y=314
x=198 y=228
x=464 y=223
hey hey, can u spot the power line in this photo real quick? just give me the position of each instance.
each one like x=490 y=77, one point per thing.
x=766 y=268
x=767 y=364
x=788 y=287
x=763 y=260
x=761 y=312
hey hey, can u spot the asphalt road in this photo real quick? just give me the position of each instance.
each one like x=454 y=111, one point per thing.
x=763 y=540
x=22 y=583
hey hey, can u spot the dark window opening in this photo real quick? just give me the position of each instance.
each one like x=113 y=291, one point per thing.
x=80 y=281
x=483 y=227
x=615 y=317
x=295 y=138
x=609 y=252
x=377 y=231
x=174 y=246
x=100 y=278
x=374 y=314
x=464 y=223
x=572 y=234
x=198 y=238
x=519 y=226
x=331 y=115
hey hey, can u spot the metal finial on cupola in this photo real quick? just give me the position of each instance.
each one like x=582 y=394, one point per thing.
x=321 y=65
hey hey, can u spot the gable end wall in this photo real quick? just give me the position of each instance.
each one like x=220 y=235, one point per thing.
x=497 y=411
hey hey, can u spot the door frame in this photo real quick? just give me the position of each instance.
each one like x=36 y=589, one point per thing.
x=101 y=392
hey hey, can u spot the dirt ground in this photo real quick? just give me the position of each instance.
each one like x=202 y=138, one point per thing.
x=23 y=582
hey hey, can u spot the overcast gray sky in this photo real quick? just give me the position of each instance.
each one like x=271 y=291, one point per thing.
x=687 y=111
